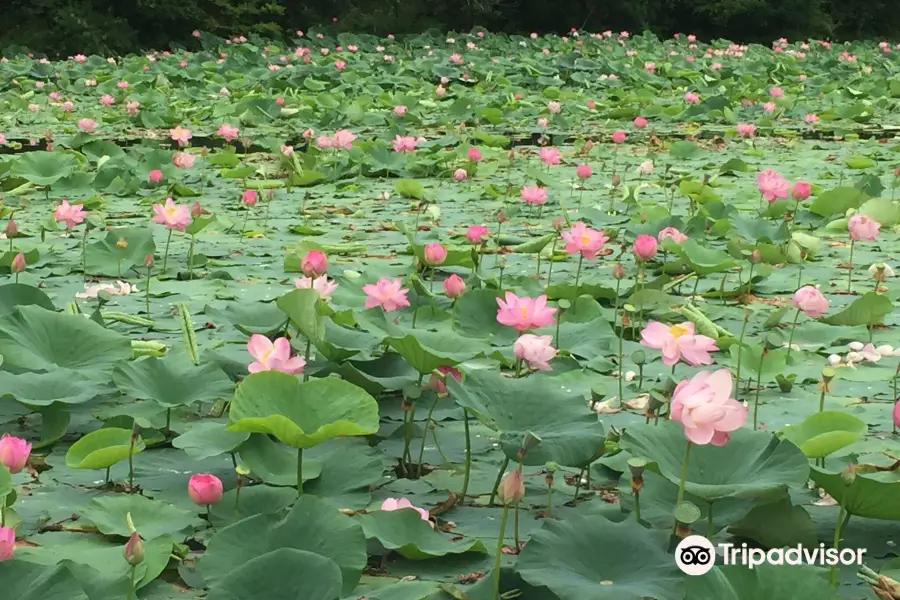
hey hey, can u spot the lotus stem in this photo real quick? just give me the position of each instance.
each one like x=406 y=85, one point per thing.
x=300 y=471
x=842 y=518
x=850 y=269
x=306 y=359
x=577 y=277
x=191 y=257
x=503 y=520
x=425 y=435
x=737 y=388
x=791 y=337
x=132 y=589
x=166 y=254
x=550 y=260
x=497 y=481
x=621 y=333
x=762 y=358
x=465 y=487
x=684 y=470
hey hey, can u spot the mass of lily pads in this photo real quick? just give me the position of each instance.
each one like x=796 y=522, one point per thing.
x=465 y=316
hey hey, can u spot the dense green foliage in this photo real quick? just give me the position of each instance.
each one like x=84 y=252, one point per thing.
x=60 y=27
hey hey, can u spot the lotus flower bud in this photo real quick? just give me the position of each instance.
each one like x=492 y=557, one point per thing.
x=134 y=550
x=512 y=488
x=18 y=263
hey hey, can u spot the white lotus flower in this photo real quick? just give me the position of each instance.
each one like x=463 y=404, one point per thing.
x=119 y=288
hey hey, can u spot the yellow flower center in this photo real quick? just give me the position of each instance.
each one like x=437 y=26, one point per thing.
x=585 y=239
x=678 y=330
x=523 y=311
x=170 y=211
x=264 y=357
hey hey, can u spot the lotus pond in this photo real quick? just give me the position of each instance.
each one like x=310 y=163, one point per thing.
x=439 y=317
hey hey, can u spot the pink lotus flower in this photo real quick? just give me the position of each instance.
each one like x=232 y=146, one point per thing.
x=554 y=107
x=584 y=240
x=343 y=139
x=439 y=91
x=324 y=142
x=862 y=227
x=181 y=135
x=619 y=136
x=435 y=254
x=71 y=214
x=640 y=122
x=772 y=185
x=314 y=263
x=87 y=125
x=454 y=286
x=550 y=155
x=671 y=233
x=524 y=313
x=460 y=175
x=227 y=131
x=273 y=356
x=392 y=504
x=205 y=489
x=810 y=301
x=107 y=100
x=324 y=286
x=183 y=160
x=173 y=216
x=477 y=233
x=769 y=107
x=67 y=106
x=389 y=294
x=810 y=118
x=776 y=92
x=7 y=543
x=746 y=129
x=14 y=453
x=134 y=550
x=692 y=98
x=132 y=106
x=704 y=407
x=340 y=64
x=644 y=247
x=249 y=197
x=532 y=194
x=400 y=110
x=473 y=154
x=801 y=190
x=18 y=263
x=536 y=350
x=895 y=415
x=438 y=384
x=678 y=342
x=583 y=171
x=287 y=150
x=404 y=143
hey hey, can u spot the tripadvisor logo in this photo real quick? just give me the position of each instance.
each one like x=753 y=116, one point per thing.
x=696 y=555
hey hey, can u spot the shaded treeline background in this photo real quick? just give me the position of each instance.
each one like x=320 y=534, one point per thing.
x=65 y=27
